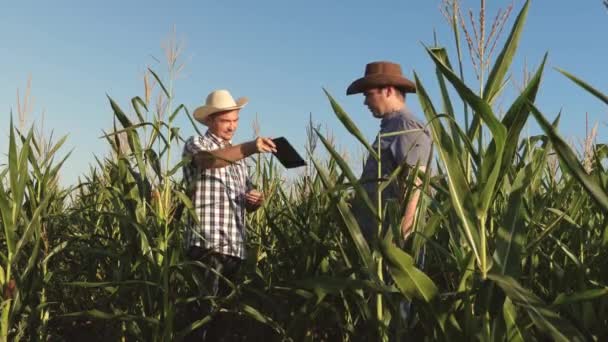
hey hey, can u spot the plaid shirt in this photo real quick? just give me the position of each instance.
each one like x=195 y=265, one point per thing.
x=218 y=199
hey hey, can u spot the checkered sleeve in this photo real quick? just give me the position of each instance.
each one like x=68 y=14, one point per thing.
x=194 y=145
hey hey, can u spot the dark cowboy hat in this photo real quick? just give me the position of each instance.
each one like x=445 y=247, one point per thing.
x=381 y=74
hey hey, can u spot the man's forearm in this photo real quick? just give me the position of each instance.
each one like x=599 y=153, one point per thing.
x=410 y=214
x=225 y=156
x=410 y=211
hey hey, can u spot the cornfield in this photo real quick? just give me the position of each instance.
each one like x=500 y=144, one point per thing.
x=513 y=230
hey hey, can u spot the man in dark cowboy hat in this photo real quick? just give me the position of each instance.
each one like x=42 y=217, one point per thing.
x=221 y=192
x=385 y=89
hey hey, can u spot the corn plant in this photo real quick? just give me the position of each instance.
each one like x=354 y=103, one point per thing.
x=30 y=199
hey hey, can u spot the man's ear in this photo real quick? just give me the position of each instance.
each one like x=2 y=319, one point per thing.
x=390 y=91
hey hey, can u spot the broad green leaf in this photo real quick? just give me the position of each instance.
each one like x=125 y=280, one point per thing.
x=412 y=282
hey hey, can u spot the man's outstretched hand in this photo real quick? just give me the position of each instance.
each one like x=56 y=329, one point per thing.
x=263 y=145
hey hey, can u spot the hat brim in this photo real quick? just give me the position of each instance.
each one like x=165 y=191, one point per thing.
x=202 y=113
x=377 y=81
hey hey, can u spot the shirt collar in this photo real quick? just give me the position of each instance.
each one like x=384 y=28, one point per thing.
x=388 y=117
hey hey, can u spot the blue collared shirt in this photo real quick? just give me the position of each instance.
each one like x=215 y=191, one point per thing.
x=412 y=147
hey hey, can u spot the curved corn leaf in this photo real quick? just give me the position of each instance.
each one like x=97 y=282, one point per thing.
x=581 y=296
x=98 y=314
x=350 y=222
x=136 y=102
x=492 y=160
x=504 y=59
x=102 y=284
x=514 y=333
x=517 y=116
x=543 y=317
x=460 y=193
x=571 y=162
x=412 y=282
x=585 y=85
x=442 y=54
x=361 y=193
x=349 y=124
x=162 y=85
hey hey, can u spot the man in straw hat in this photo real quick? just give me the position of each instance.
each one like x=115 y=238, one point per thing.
x=221 y=192
x=385 y=89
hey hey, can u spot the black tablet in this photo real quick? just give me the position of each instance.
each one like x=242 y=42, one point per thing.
x=286 y=154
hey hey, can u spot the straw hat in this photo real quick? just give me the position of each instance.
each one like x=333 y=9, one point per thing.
x=381 y=74
x=218 y=101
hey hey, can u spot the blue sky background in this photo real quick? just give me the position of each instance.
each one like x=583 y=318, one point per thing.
x=278 y=53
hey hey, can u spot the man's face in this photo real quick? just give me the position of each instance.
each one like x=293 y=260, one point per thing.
x=375 y=100
x=223 y=124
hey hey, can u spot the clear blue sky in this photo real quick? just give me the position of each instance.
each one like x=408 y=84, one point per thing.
x=278 y=53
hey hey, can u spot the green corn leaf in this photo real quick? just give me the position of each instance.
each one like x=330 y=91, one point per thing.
x=571 y=162
x=120 y=115
x=412 y=282
x=542 y=316
x=442 y=54
x=194 y=125
x=33 y=228
x=350 y=125
x=56 y=250
x=162 y=85
x=585 y=86
x=7 y=221
x=361 y=193
x=581 y=296
x=324 y=285
x=460 y=192
x=492 y=161
x=124 y=130
x=516 y=117
x=504 y=59
x=102 y=284
x=354 y=231
x=137 y=103
x=510 y=234
x=176 y=111
x=192 y=327
x=514 y=333
x=98 y=314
